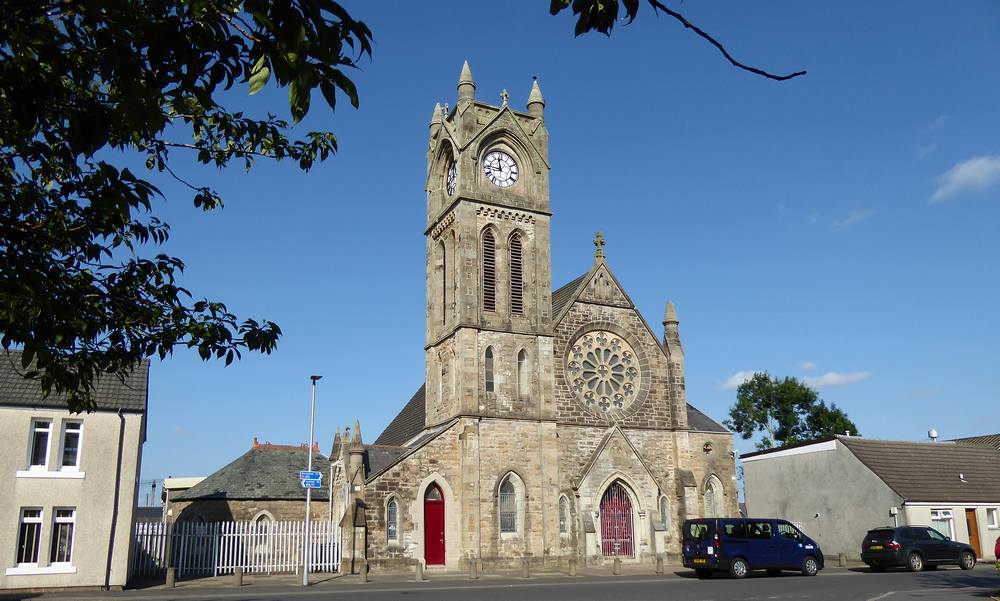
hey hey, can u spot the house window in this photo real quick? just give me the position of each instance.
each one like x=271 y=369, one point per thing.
x=522 y=375
x=508 y=506
x=489 y=368
x=563 y=515
x=40 y=430
x=62 y=536
x=71 y=445
x=993 y=518
x=516 y=276
x=664 y=510
x=489 y=272
x=944 y=522
x=28 y=536
x=392 y=520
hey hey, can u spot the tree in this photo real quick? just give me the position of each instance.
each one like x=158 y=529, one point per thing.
x=601 y=15
x=786 y=411
x=81 y=79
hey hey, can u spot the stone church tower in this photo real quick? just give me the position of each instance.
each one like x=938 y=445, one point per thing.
x=552 y=424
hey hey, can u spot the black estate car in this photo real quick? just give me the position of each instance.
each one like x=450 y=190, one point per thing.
x=916 y=547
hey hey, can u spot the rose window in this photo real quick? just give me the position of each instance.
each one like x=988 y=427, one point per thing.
x=603 y=372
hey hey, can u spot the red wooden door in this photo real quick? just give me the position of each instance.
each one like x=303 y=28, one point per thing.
x=616 y=522
x=434 y=526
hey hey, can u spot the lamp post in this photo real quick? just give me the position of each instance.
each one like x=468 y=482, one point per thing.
x=309 y=467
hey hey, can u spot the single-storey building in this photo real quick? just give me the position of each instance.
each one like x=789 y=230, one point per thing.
x=836 y=489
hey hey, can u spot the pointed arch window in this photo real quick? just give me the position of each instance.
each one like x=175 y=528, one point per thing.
x=713 y=496
x=563 y=515
x=444 y=283
x=488 y=368
x=522 y=375
x=516 y=276
x=489 y=271
x=664 y=510
x=392 y=520
x=507 y=501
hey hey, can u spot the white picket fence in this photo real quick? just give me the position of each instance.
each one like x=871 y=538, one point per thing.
x=210 y=549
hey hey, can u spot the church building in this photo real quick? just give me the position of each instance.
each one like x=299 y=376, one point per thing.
x=552 y=424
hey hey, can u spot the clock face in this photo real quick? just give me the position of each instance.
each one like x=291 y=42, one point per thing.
x=603 y=373
x=452 y=180
x=500 y=169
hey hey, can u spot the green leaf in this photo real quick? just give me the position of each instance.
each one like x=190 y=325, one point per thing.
x=259 y=75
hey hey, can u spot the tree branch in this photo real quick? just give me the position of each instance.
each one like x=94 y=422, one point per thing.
x=657 y=6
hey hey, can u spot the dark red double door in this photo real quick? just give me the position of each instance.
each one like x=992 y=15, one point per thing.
x=433 y=526
x=616 y=522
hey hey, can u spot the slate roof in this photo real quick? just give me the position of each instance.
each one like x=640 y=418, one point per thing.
x=931 y=472
x=702 y=423
x=407 y=424
x=264 y=472
x=989 y=440
x=565 y=294
x=109 y=393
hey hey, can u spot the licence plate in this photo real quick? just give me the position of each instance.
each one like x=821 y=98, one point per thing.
x=875 y=547
x=700 y=560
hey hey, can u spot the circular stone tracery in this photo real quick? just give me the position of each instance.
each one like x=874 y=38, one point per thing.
x=603 y=372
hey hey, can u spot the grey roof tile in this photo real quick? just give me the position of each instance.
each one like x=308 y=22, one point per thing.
x=109 y=392
x=264 y=472
x=565 y=294
x=702 y=423
x=407 y=424
x=932 y=472
x=989 y=440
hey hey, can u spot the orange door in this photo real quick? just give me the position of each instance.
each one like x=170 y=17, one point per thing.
x=970 y=521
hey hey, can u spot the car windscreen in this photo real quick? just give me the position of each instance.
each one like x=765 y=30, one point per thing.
x=883 y=534
x=699 y=530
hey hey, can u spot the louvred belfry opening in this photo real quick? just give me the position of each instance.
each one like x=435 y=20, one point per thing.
x=516 y=276
x=616 y=522
x=489 y=272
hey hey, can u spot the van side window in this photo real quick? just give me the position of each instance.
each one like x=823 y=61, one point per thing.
x=697 y=530
x=759 y=530
x=735 y=529
x=788 y=531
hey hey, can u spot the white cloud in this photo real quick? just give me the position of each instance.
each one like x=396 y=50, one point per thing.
x=807 y=366
x=834 y=378
x=733 y=382
x=856 y=216
x=977 y=173
x=925 y=150
x=938 y=123
x=181 y=431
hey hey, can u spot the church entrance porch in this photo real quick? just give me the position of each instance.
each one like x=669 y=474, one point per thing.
x=617 y=538
x=433 y=526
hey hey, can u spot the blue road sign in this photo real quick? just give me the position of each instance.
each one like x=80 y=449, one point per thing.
x=311 y=484
x=311 y=476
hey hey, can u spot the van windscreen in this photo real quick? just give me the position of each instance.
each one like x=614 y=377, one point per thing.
x=699 y=530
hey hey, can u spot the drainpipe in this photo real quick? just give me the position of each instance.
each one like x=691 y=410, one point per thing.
x=114 y=506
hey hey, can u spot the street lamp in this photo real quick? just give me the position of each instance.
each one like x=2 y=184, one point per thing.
x=309 y=467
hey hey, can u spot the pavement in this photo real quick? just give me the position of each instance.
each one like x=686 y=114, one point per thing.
x=636 y=583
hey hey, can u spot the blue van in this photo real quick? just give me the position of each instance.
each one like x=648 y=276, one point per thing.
x=739 y=545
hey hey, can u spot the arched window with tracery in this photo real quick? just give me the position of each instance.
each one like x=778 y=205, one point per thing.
x=488 y=368
x=444 y=282
x=713 y=497
x=516 y=275
x=664 y=509
x=522 y=375
x=392 y=520
x=507 y=501
x=563 y=515
x=489 y=271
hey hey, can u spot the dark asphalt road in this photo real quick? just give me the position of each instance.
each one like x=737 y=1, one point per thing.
x=831 y=584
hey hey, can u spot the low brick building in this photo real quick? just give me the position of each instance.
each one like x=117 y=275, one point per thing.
x=551 y=424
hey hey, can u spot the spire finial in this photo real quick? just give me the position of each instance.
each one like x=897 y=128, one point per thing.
x=599 y=243
x=466 y=87
x=536 y=104
x=504 y=97
x=356 y=439
x=670 y=315
x=437 y=116
x=466 y=76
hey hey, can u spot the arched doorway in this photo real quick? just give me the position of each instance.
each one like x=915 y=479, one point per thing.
x=433 y=526
x=616 y=522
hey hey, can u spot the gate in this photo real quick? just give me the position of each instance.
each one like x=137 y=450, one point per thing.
x=616 y=522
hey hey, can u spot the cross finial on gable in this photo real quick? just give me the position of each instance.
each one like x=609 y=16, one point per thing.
x=504 y=97
x=599 y=243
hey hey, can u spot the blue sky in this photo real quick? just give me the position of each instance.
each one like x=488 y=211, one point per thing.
x=840 y=227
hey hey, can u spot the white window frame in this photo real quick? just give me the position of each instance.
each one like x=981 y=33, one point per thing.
x=993 y=517
x=56 y=520
x=40 y=425
x=944 y=516
x=69 y=426
x=23 y=519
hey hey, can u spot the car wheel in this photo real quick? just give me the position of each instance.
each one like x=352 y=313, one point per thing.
x=810 y=567
x=773 y=572
x=966 y=560
x=703 y=572
x=739 y=568
x=914 y=562
x=877 y=568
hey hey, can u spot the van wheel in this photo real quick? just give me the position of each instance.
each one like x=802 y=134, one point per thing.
x=914 y=562
x=703 y=573
x=739 y=568
x=966 y=560
x=810 y=567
